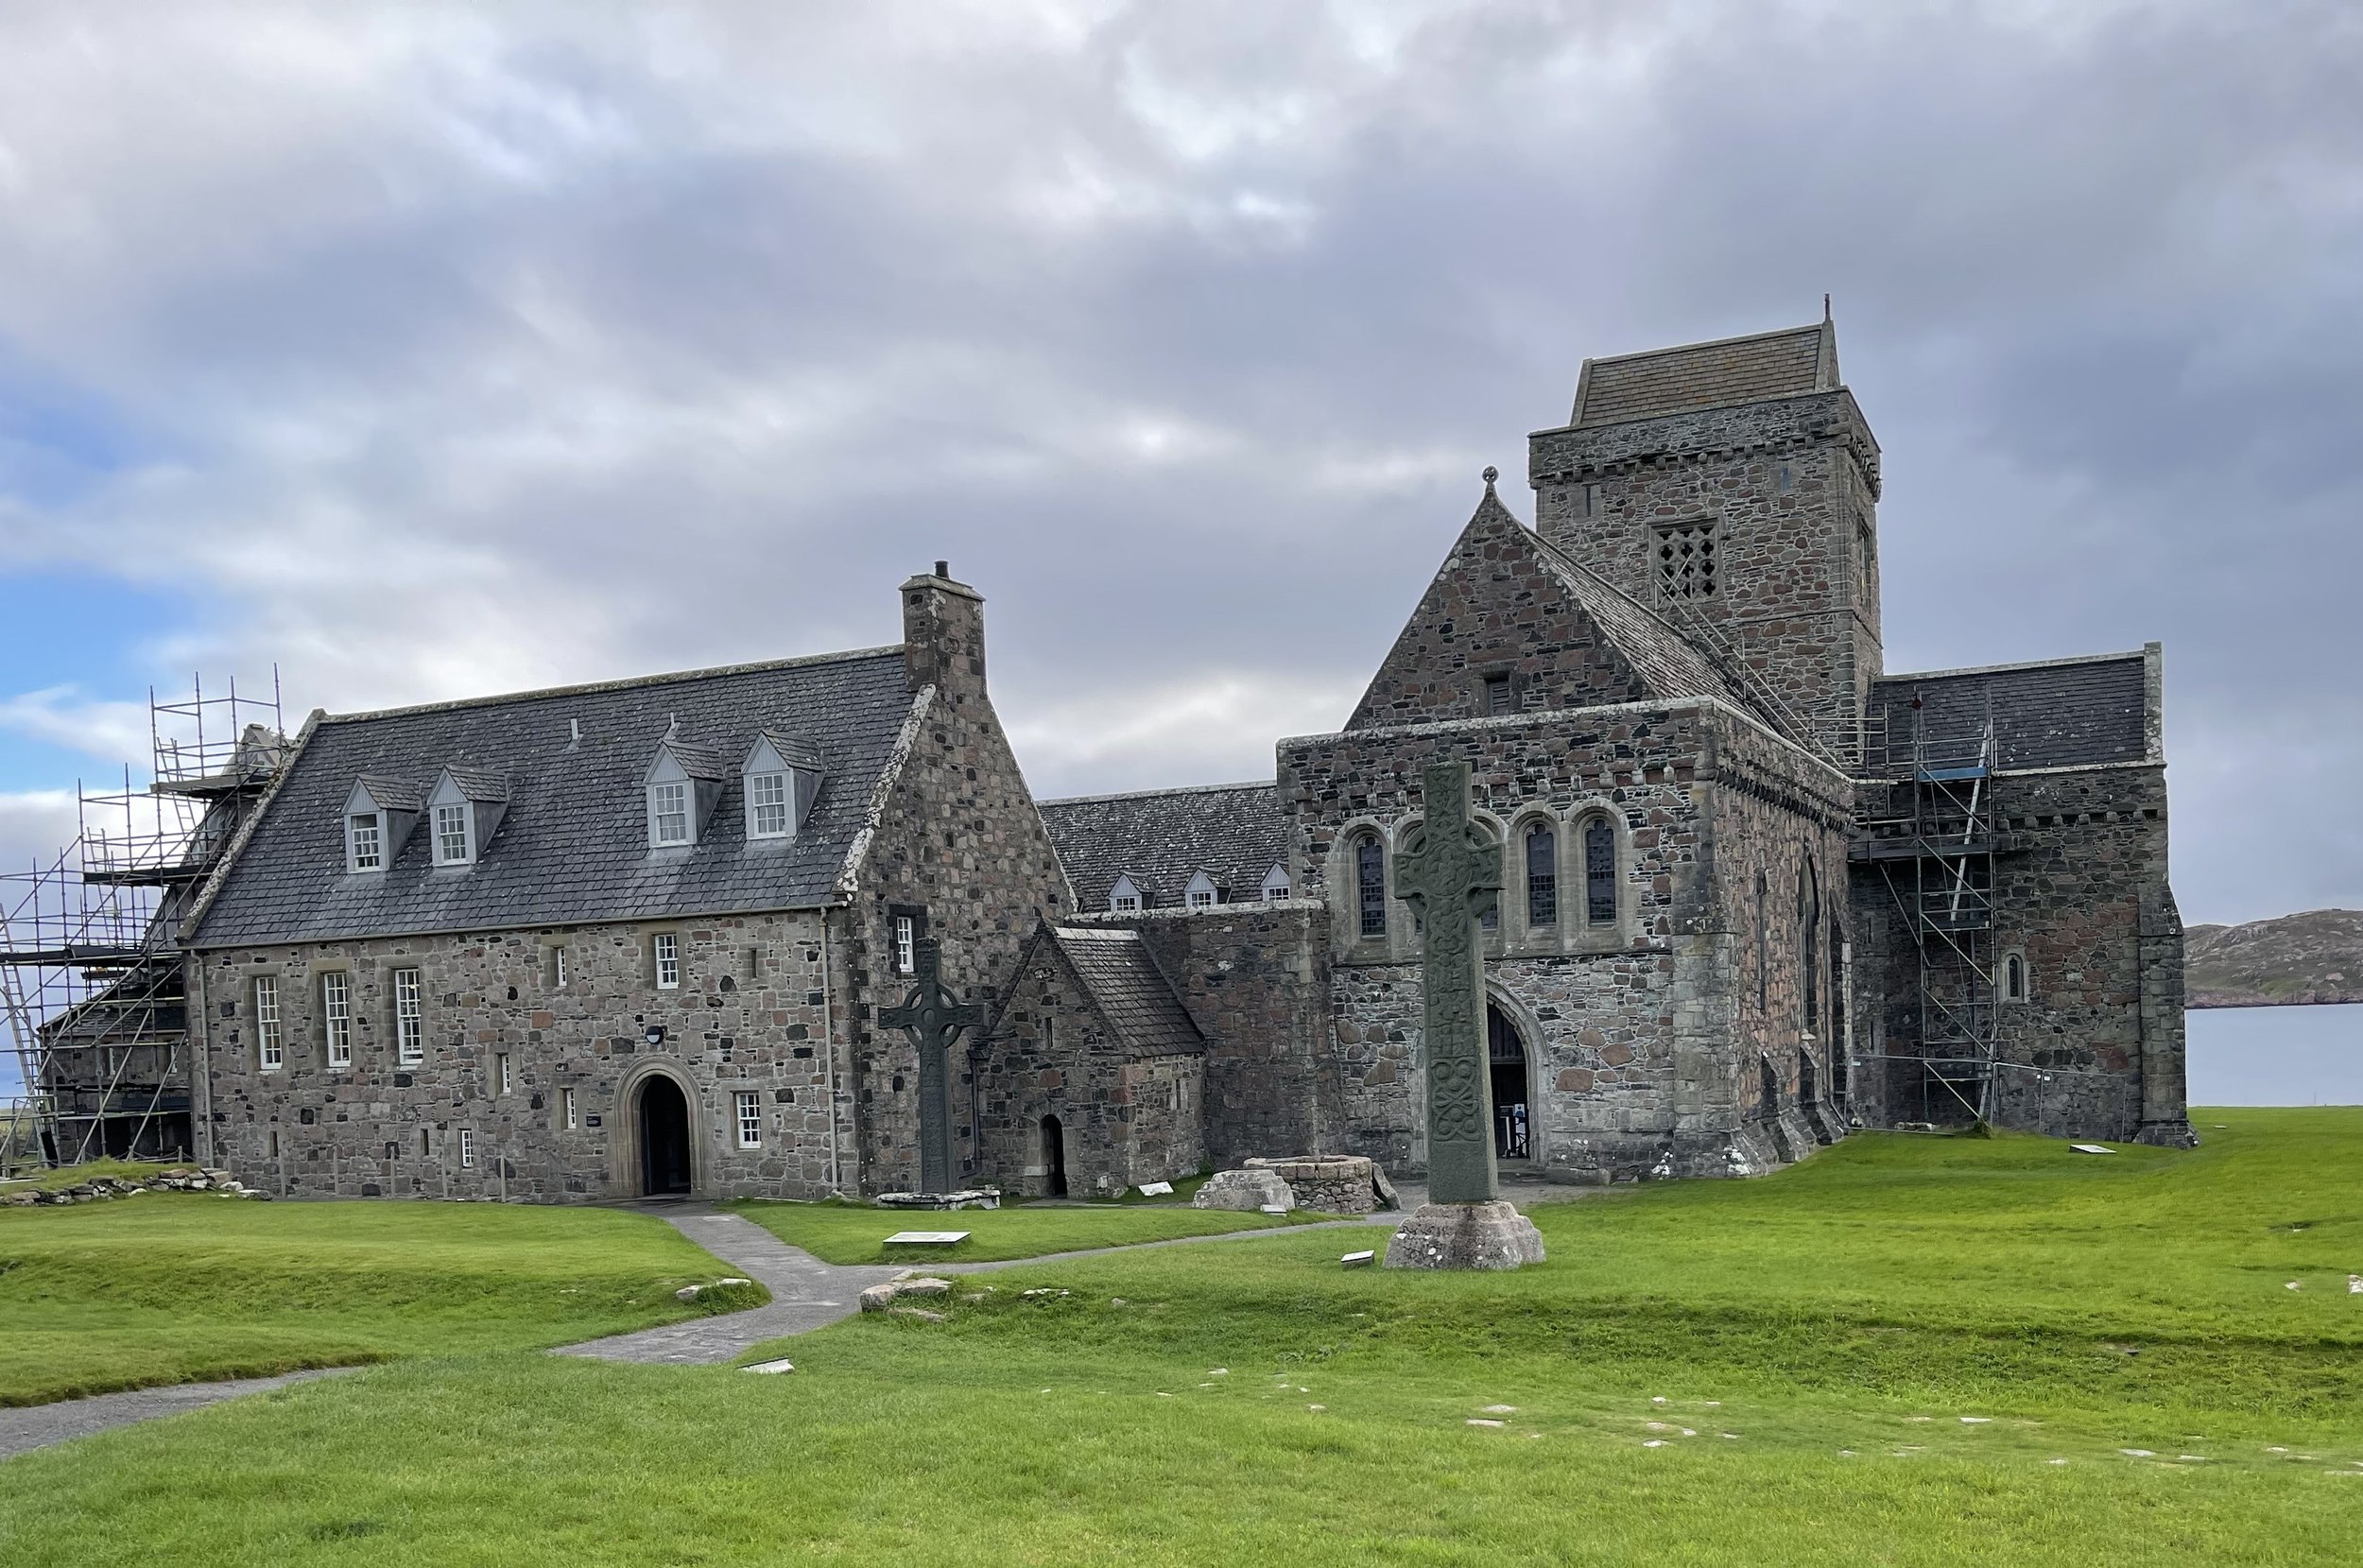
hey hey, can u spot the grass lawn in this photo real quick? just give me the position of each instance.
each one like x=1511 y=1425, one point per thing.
x=854 y=1233
x=168 y=1287
x=1251 y=1403
x=31 y=1180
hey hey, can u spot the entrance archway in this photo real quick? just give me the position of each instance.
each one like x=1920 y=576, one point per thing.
x=1513 y=1116
x=1053 y=1158
x=665 y=1157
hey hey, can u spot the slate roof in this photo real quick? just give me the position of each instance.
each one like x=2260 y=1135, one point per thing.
x=1232 y=833
x=1130 y=991
x=1719 y=374
x=572 y=845
x=2047 y=715
x=1668 y=662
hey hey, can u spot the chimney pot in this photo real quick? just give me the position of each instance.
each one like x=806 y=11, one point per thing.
x=944 y=568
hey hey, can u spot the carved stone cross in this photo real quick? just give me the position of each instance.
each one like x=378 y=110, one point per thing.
x=933 y=1017
x=1449 y=870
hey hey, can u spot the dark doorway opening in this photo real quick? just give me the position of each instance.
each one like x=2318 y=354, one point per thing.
x=1505 y=1054
x=664 y=1138
x=1053 y=1158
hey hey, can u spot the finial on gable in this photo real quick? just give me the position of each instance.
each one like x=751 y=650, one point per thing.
x=1492 y=473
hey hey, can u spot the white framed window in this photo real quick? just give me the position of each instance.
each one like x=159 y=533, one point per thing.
x=337 y=1017
x=749 y=1119
x=364 y=841
x=467 y=1150
x=502 y=1081
x=668 y=813
x=906 y=945
x=566 y=1109
x=667 y=948
x=452 y=837
x=767 y=812
x=1275 y=884
x=409 y=1025
x=1123 y=898
x=270 y=1053
x=1200 y=893
x=558 y=968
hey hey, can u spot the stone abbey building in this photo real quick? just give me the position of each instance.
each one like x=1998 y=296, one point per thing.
x=639 y=936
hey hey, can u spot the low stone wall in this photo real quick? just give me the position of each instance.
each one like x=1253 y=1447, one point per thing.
x=1331 y=1183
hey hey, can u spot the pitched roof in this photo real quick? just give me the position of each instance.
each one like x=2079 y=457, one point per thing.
x=1159 y=838
x=1130 y=991
x=1669 y=663
x=1719 y=374
x=2053 y=714
x=573 y=843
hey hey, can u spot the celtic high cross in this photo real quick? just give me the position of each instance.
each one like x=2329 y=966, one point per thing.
x=933 y=1018
x=1449 y=870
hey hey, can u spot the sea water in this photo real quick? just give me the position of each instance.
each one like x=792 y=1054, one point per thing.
x=2276 y=1055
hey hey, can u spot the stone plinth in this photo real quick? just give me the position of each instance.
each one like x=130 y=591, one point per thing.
x=973 y=1198
x=1244 y=1190
x=1465 y=1236
x=1333 y=1184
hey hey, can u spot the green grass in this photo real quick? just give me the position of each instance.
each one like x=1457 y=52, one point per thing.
x=169 y=1288
x=1841 y=1318
x=855 y=1232
x=32 y=1180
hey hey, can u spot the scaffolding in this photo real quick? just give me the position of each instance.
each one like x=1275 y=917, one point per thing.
x=92 y=988
x=1934 y=846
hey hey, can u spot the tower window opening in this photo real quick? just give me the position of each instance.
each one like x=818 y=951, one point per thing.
x=1686 y=560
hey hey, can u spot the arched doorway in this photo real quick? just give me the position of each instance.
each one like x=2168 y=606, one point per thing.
x=1053 y=1158
x=664 y=1163
x=1505 y=1054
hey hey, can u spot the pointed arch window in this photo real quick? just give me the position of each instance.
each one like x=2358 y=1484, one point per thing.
x=2014 y=979
x=1600 y=873
x=1370 y=884
x=1542 y=875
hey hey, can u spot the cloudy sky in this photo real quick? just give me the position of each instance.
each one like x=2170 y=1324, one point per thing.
x=429 y=350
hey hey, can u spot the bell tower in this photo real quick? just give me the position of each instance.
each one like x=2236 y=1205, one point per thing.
x=1733 y=486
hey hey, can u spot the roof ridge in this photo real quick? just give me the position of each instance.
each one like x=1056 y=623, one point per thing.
x=1710 y=343
x=1150 y=794
x=2133 y=656
x=634 y=683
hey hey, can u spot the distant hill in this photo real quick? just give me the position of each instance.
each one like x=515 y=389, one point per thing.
x=2316 y=957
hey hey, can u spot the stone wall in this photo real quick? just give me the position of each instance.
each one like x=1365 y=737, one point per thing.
x=2080 y=893
x=1124 y=1119
x=748 y=1016
x=959 y=843
x=1639 y=1060
x=1792 y=487
x=1255 y=978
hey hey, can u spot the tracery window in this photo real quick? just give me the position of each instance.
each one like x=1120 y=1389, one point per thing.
x=1542 y=875
x=1686 y=560
x=1369 y=877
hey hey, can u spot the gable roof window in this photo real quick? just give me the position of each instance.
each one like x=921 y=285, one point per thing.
x=1125 y=896
x=377 y=817
x=683 y=782
x=1275 y=884
x=465 y=807
x=781 y=777
x=1201 y=893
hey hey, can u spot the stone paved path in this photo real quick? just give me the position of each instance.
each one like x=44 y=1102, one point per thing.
x=807 y=1294
x=39 y=1425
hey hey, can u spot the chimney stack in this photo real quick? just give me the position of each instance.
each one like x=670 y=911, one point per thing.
x=944 y=636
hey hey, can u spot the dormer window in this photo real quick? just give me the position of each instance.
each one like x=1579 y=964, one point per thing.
x=782 y=778
x=453 y=840
x=1275 y=884
x=364 y=841
x=378 y=816
x=668 y=813
x=767 y=805
x=1123 y=898
x=1201 y=892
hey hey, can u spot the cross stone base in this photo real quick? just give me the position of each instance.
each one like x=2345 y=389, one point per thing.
x=1465 y=1236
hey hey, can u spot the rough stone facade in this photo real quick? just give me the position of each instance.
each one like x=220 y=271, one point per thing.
x=1671 y=694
